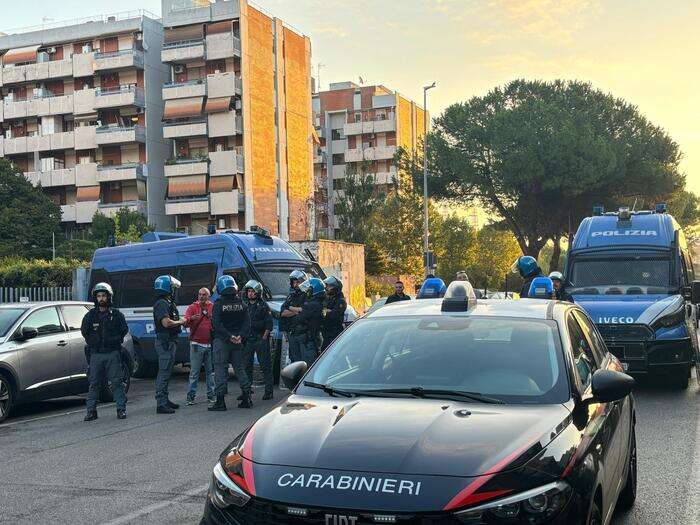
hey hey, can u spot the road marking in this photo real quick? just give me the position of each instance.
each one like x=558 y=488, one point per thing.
x=156 y=506
x=51 y=416
x=692 y=510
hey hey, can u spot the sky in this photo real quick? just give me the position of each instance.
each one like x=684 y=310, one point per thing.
x=645 y=51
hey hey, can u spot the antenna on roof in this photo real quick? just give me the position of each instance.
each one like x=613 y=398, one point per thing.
x=634 y=206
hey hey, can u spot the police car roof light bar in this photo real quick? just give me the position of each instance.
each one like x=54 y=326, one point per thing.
x=661 y=207
x=459 y=297
x=624 y=214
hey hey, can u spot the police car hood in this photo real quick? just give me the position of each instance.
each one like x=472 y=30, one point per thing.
x=619 y=309
x=399 y=435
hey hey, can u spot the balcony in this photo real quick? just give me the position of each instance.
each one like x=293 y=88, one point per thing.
x=68 y=213
x=86 y=174
x=38 y=71
x=184 y=128
x=224 y=124
x=319 y=157
x=85 y=211
x=129 y=171
x=84 y=65
x=224 y=85
x=14 y=74
x=223 y=45
x=85 y=137
x=186 y=167
x=123 y=59
x=14 y=109
x=225 y=163
x=15 y=146
x=191 y=88
x=84 y=102
x=184 y=51
x=224 y=203
x=38 y=143
x=120 y=97
x=187 y=206
x=61 y=68
x=51 y=178
x=110 y=210
x=64 y=140
x=385 y=177
x=59 y=105
x=372 y=126
x=107 y=135
x=370 y=153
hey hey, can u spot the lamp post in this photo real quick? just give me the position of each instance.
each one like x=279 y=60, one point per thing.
x=426 y=231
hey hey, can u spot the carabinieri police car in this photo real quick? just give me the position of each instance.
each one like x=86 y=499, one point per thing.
x=442 y=411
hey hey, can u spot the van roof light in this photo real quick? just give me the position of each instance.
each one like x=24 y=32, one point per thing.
x=459 y=297
x=259 y=230
x=661 y=207
x=624 y=214
x=598 y=210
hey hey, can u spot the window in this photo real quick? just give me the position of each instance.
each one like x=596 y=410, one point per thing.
x=137 y=287
x=337 y=134
x=73 y=316
x=193 y=278
x=584 y=363
x=619 y=275
x=276 y=278
x=239 y=275
x=338 y=159
x=45 y=321
x=338 y=184
x=8 y=317
x=599 y=349
x=515 y=360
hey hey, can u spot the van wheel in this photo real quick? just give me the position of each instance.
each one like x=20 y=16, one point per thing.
x=595 y=518
x=679 y=379
x=629 y=492
x=106 y=395
x=6 y=397
x=142 y=369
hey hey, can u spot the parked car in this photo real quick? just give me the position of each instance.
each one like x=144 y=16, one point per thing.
x=42 y=353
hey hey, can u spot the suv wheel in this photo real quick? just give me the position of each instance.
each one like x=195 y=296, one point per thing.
x=142 y=369
x=6 y=397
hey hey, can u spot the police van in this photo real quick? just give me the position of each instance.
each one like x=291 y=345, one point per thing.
x=632 y=272
x=196 y=261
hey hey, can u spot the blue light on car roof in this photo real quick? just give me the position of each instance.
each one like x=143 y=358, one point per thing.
x=459 y=297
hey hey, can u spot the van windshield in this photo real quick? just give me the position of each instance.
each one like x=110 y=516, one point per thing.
x=276 y=277
x=630 y=275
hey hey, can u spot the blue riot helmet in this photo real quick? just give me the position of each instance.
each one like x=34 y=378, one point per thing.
x=226 y=285
x=166 y=285
x=333 y=283
x=525 y=266
x=432 y=288
x=541 y=288
x=313 y=287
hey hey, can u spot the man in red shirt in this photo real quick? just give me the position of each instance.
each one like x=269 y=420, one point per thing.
x=198 y=317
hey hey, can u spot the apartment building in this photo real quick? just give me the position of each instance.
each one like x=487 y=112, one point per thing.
x=81 y=114
x=238 y=111
x=359 y=129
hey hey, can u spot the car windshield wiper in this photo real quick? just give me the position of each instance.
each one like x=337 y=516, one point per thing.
x=419 y=391
x=330 y=390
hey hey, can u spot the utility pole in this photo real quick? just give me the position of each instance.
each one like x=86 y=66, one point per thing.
x=426 y=231
x=318 y=76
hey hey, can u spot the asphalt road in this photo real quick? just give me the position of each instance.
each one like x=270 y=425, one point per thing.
x=155 y=468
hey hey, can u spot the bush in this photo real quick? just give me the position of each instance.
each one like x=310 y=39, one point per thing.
x=16 y=272
x=374 y=287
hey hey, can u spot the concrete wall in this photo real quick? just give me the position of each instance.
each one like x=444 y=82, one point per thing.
x=344 y=260
x=158 y=149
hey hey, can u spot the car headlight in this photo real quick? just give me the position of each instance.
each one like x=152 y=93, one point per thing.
x=533 y=506
x=670 y=320
x=224 y=492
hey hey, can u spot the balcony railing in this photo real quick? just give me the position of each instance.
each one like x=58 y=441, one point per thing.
x=184 y=128
x=180 y=167
x=119 y=59
x=126 y=171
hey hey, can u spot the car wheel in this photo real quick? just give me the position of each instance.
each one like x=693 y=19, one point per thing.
x=106 y=395
x=6 y=397
x=595 y=518
x=142 y=369
x=629 y=492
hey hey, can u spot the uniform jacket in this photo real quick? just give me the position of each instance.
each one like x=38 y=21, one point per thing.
x=104 y=332
x=295 y=298
x=259 y=318
x=308 y=321
x=166 y=307
x=333 y=320
x=229 y=317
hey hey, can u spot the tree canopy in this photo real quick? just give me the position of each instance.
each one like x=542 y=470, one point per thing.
x=28 y=217
x=541 y=154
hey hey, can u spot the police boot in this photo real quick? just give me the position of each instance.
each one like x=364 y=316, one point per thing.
x=268 y=395
x=219 y=405
x=246 y=402
x=121 y=413
x=91 y=416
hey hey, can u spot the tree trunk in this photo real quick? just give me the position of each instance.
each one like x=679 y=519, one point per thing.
x=556 y=254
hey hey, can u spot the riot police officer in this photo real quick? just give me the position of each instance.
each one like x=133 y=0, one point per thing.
x=308 y=318
x=558 y=281
x=296 y=298
x=334 y=306
x=229 y=320
x=257 y=336
x=104 y=329
x=168 y=326
x=528 y=269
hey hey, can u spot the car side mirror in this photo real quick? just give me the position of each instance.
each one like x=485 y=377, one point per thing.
x=609 y=385
x=292 y=374
x=28 y=333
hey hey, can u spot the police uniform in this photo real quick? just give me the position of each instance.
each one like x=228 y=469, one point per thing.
x=104 y=332
x=332 y=324
x=296 y=342
x=259 y=322
x=166 y=345
x=307 y=328
x=229 y=318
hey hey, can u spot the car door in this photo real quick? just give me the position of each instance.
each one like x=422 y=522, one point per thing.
x=77 y=365
x=603 y=418
x=44 y=359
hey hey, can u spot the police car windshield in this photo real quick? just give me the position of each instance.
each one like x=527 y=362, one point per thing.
x=8 y=316
x=630 y=275
x=510 y=359
x=276 y=278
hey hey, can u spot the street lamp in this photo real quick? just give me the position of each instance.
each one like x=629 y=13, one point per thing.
x=426 y=232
